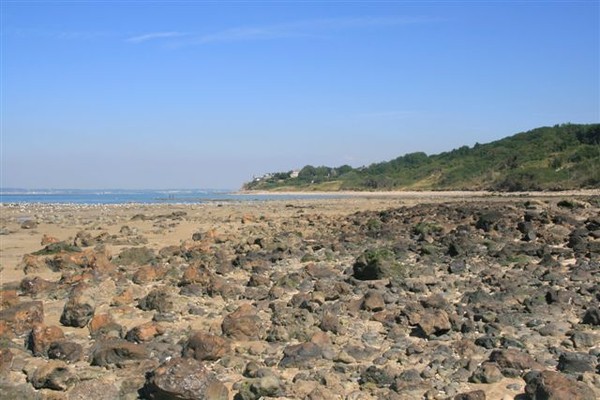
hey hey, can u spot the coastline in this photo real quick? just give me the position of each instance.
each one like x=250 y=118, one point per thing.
x=425 y=194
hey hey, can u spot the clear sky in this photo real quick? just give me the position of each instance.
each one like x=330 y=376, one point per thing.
x=191 y=94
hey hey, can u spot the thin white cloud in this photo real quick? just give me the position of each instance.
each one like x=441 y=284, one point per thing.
x=155 y=36
x=302 y=28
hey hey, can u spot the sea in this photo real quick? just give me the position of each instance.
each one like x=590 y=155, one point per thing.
x=124 y=196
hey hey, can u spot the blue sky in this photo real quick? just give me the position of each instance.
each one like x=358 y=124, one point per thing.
x=207 y=94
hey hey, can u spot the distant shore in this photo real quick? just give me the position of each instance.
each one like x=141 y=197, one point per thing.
x=425 y=194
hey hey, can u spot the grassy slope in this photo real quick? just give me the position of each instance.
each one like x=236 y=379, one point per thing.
x=549 y=158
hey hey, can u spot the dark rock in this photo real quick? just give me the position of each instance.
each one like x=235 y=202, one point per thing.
x=117 y=351
x=79 y=310
x=550 y=385
x=300 y=355
x=65 y=350
x=376 y=264
x=592 y=316
x=379 y=377
x=577 y=363
x=474 y=395
x=488 y=220
x=184 y=379
x=20 y=318
x=159 y=300
x=204 y=346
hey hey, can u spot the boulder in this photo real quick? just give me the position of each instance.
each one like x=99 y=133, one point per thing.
x=117 y=351
x=242 y=324
x=550 y=385
x=206 y=347
x=184 y=379
x=21 y=318
x=41 y=336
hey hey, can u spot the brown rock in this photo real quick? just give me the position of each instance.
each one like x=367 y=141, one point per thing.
x=42 y=336
x=204 y=346
x=104 y=325
x=54 y=375
x=196 y=274
x=145 y=332
x=124 y=298
x=20 y=318
x=8 y=298
x=550 y=385
x=242 y=324
x=46 y=240
x=117 y=351
x=512 y=358
x=147 y=274
x=35 y=285
x=6 y=358
x=184 y=379
x=373 y=301
x=31 y=263
x=434 y=322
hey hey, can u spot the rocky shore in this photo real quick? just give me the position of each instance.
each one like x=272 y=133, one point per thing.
x=353 y=298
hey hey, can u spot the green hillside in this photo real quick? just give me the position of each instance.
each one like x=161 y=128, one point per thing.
x=549 y=158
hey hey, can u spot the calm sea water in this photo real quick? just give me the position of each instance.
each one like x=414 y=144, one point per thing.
x=134 y=196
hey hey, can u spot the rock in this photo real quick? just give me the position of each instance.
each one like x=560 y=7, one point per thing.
x=54 y=375
x=259 y=388
x=135 y=256
x=487 y=373
x=592 y=316
x=46 y=240
x=146 y=274
x=474 y=395
x=577 y=363
x=373 y=301
x=488 y=220
x=29 y=224
x=21 y=318
x=41 y=336
x=434 y=322
x=8 y=298
x=6 y=358
x=96 y=389
x=117 y=351
x=550 y=385
x=35 y=285
x=103 y=325
x=145 y=332
x=184 y=379
x=65 y=350
x=511 y=358
x=79 y=309
x=300 y=355
x=204 y=346
x=376 y=264
x=377 y=376
x=242 y=324
x=159 y=300
x=584 y=339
